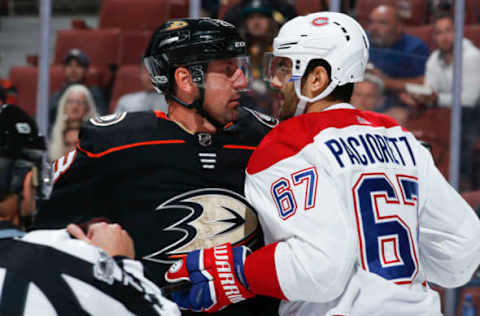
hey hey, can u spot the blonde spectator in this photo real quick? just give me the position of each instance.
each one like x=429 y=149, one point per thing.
x=76 y=105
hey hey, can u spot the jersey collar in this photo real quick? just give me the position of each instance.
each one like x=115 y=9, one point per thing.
x=340 y=106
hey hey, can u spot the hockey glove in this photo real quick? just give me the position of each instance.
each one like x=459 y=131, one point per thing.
x=216 y=275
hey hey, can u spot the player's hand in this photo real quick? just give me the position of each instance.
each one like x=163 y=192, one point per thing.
x=110 y=237
x=216 y=275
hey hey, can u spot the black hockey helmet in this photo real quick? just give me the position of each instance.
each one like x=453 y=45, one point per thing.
x=21 y=149
x=191 y=43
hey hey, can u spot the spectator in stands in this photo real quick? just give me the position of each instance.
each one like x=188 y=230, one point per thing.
x=368 y=94
x=76 y=70
x=259 y=22
x=145 y=100
x=76 y=105
x=8 y=93
x=439 y=77
x=70 y=135
x=439 y=73
x=398 y=58
x=282 y=11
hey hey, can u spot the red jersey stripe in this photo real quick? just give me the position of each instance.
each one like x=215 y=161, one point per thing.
x=114 y=149
x=239 y=147
x=292 y=135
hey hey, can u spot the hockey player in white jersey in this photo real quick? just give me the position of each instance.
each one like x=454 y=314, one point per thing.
x=356 y=217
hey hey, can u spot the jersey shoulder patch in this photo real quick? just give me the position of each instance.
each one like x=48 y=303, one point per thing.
x=108 y=120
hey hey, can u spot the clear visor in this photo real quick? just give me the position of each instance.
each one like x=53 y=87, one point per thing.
x=230 y=73
x=277 y=69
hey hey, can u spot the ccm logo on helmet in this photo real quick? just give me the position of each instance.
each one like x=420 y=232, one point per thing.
x=320 y=21
x=239 y=44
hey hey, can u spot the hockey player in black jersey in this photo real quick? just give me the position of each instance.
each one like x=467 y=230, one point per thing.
x=48 y=272
x=175 y=181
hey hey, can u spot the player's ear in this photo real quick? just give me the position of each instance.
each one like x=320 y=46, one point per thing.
x=316 y=82
x=183 y=80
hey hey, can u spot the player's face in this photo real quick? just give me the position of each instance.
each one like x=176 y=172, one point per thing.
x=443 y=34
x=224 y=81
x=279 y=75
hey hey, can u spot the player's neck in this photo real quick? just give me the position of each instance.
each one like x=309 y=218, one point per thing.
x=320 y=105
x=7 y=207
x=189 y=119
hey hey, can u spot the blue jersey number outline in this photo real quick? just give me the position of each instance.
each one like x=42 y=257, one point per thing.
x=376 y=232
x=284 y=197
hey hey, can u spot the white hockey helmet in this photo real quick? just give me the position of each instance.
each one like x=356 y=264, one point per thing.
x=334 y=37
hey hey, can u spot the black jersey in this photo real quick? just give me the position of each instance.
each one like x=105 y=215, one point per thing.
x=172 y=191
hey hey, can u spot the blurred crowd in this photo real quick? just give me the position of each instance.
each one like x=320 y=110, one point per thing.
x=410 y=72
x=409 y=75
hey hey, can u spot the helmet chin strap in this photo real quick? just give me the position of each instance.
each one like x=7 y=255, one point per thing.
x=304 y=100
x=198 y=105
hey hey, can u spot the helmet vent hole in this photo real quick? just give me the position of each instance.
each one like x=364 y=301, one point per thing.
x=348 y=37
x=304 y=35
x=344 y=30
x=336 y=23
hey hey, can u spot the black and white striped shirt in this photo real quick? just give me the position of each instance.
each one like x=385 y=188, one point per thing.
x=47 y=273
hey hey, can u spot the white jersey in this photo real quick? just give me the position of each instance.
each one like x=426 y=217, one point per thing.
x=47 y=273
x=362 y=216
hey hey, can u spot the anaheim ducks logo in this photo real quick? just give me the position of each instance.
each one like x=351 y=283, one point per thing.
x=175 y=25
x=215 y=216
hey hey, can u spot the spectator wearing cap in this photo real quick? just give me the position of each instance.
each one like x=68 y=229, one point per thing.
x=396 y=57
x=146 y=100
x=76 y=70
x=259 y=23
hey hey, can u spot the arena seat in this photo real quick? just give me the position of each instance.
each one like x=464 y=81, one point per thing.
x=472 y=32
x=24 y=78
x=303 y=7
x=140 y=14
x=127 y=81
x=417 y=11
x=225 y=5
x=422 y=31
x=132 y=46
x=101 y=46
x=424 y=125
x=472 y=11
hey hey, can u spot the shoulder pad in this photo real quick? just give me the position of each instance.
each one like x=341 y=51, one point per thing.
x=103 y=133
